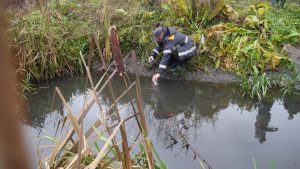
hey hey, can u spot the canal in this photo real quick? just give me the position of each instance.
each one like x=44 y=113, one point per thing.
x=226 y=129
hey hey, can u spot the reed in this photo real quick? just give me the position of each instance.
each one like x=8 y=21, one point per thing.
x=73 y=149
x=46 y=40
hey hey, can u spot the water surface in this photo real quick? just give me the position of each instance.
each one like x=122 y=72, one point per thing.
x=225 y=128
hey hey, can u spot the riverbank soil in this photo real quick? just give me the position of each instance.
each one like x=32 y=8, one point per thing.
x=294 y=53
x=210 y=75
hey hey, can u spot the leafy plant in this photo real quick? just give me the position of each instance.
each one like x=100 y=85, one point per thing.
x=48 y=40
x=179 y=72
x=287 y=83
x=256 y=85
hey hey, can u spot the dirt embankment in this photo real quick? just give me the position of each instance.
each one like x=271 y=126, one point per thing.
x=18 y=3
x=212 y=75
x=294 y=53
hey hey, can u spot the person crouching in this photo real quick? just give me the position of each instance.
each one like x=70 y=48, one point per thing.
x=177 y=48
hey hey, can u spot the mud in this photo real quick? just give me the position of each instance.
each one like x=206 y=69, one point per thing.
x=294 y=54
x=210 y=75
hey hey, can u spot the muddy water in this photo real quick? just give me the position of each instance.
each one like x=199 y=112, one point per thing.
x=219 y=124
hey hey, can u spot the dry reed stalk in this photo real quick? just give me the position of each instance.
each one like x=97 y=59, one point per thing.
x=106 y=25
x=83 y=112
x=127 y=159
x=118 y=60
x=108 y=81
x=76 y=127
x=116 y=51
x=102 y=115
x=12 y=149
x=98 y=122
x=94 y=164
x=146 y=140
x=121 y=69
x=138 y=113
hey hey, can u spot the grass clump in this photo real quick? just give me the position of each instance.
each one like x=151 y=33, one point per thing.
x=47 y=40
x=247 y=43
x=258 y=84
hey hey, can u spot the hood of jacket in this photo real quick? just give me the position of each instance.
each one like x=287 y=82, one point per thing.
x=172 y=30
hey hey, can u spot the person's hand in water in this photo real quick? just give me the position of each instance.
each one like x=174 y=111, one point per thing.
x=151 y=59
x=155 y=78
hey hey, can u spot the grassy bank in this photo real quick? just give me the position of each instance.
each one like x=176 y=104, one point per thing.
x=249 y=42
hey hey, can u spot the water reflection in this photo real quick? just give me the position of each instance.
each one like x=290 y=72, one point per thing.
x=195 y=102
x=42 y=104
x=183 y=109
x=292 y=105
x=263 y=119
x=169 y=99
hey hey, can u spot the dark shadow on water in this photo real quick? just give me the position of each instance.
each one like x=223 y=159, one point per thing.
x=173 y=108
x=263 y=118
x=292 y=105
x=169 y=99
x=169 y=102
x=40 y=104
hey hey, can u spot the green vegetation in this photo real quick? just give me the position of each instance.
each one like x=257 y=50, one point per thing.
x=71 y=146
x=47 y=40
x=257 y=84
x=248 y=42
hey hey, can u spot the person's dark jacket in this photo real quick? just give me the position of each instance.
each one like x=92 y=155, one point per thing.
x=184 y=46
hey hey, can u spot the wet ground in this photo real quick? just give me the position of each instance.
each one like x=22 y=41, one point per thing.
x=210 y=74
x=294 y=53
x=223 y=127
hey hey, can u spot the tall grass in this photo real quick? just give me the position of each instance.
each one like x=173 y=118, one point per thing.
x=47 y=40
x=115 y=150
x=257 y=85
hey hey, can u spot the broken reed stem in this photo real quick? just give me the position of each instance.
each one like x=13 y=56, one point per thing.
x=103 y=117
x=76 y=123
x=194 y=151
x=107 y=82
x=147 y=142
x=76 y=126
x=127 y=163
x=121 y=70
x=127 y=159
x=98 y=122
x=83 y=112
x=101 y=154
x=125 y=77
